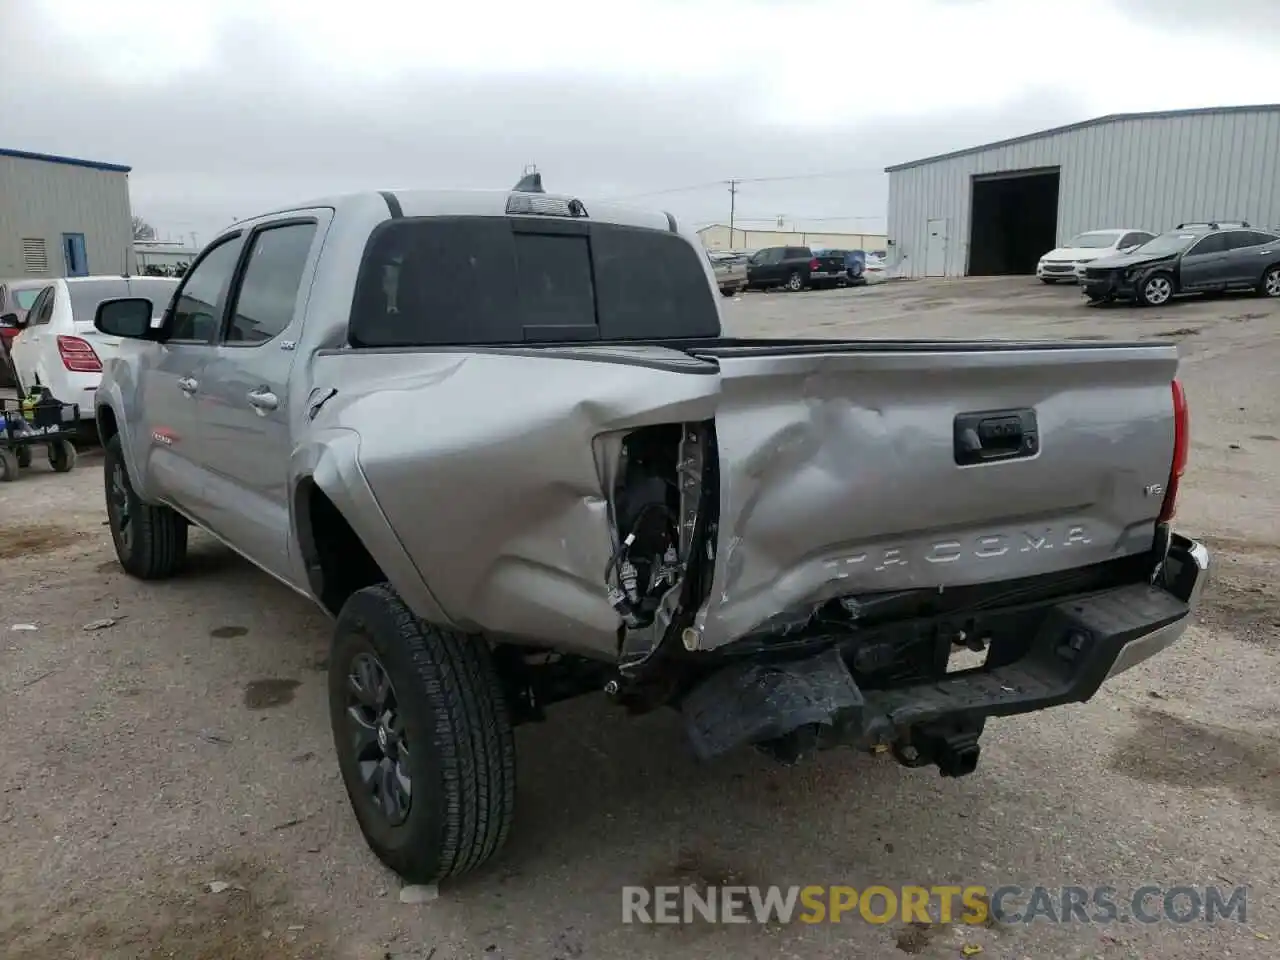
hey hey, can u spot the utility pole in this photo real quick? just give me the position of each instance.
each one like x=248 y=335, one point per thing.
x=733 y=201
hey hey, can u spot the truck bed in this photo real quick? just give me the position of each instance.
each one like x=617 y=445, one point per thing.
x=841 y=468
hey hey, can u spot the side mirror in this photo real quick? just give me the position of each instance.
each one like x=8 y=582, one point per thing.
x=126 y=317
x=10 y=320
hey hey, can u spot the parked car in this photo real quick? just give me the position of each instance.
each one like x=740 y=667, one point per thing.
x=517 y=469
x=1204 y=257
x=793 y=268
x=730 y=268
x=1068 y=261
x=57 y=347
x=16 y=297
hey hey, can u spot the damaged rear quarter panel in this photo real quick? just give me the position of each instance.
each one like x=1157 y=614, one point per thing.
x=492 y=468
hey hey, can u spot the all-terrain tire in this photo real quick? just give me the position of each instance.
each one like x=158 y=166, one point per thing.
x=150 y=539
x=450 y=708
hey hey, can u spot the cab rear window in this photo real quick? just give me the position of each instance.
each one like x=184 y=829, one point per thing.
x=445 y=281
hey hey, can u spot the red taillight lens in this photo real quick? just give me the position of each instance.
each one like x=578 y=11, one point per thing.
x=8 y=333
x=78 y=356
x=813 y=264
x=1181 y=444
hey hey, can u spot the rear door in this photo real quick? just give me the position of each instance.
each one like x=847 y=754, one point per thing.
x=245 y=405
x=1249 y=253
x=1204 y=266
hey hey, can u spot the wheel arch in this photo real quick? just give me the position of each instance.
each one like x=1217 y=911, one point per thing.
x=343 y=539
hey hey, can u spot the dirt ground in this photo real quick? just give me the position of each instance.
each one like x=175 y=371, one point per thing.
x=188 y=741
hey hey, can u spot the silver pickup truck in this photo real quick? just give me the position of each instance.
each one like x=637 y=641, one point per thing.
x=500 y=437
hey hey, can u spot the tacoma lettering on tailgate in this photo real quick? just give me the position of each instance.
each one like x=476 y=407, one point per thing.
x=981 y=547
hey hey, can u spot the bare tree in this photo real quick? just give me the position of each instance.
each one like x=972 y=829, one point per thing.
x=143 y=230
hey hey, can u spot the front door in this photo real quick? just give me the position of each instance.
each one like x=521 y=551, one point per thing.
x=245 y=403
x=73 y=253
x=935 y=253
x=169 y=448
x=1204 y=266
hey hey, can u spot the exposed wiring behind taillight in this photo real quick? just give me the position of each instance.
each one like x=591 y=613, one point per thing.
x=78 y=355
x=1181 y=445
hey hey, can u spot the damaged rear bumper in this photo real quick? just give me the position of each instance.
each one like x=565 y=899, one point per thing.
x=815 y=702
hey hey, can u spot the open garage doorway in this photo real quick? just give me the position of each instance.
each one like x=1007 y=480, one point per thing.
x=1013 y=221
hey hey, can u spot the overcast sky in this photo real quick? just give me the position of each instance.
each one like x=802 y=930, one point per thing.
x=225 y=108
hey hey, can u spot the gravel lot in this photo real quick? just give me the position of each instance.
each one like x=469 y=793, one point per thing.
x=189 y=742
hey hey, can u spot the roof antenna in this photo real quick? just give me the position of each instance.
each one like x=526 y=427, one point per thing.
x=530 y=181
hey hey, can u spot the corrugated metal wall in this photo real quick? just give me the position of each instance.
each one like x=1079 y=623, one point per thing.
x=1148 y=173
x=716 y=237
x=41 y=200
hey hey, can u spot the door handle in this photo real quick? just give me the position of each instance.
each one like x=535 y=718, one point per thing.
x=188 y=385
x=992 y=435
x=263 y=400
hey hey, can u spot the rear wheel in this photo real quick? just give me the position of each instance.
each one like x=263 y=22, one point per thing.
x=423 y=738
x=150 y=540
x=1156 y=290
x=8 y=466
x=1270 y=286
x=795 y=283
x=23 y=455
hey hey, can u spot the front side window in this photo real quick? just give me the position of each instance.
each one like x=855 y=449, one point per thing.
x=1213 y=243
x=269 y=288
x=198 y=308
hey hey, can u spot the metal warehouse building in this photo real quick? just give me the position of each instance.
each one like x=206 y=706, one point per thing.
x=996 y=209
x=62 y=217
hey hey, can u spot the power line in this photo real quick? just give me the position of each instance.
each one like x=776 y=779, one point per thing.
x=734 y=181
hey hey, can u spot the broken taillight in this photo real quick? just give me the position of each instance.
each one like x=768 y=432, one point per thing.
x=78 y=356
x=1181 y=444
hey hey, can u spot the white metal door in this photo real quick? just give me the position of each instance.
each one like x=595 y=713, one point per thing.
x=935 y=256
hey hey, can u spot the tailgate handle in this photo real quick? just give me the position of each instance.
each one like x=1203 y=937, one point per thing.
x=993 y=435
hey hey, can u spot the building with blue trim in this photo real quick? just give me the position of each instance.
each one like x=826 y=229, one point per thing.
x=63 y=217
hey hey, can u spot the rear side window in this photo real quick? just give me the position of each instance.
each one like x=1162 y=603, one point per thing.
x=1249 y=238
x=442 y=281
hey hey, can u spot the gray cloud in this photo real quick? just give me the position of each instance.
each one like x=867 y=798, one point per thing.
x=257 y=130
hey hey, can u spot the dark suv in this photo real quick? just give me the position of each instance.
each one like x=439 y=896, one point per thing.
x=794 y=268
x=1207 y=257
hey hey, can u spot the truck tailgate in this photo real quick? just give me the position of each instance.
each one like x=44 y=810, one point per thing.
x=850 y=469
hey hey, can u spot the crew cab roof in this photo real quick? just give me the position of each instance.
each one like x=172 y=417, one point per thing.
x=472 y=203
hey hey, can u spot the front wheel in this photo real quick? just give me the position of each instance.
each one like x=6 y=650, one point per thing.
x=795 y=283
x=150 y=540
x=1155 y=290
x=8 y=466
x=423 y=738
x=1270 y=286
